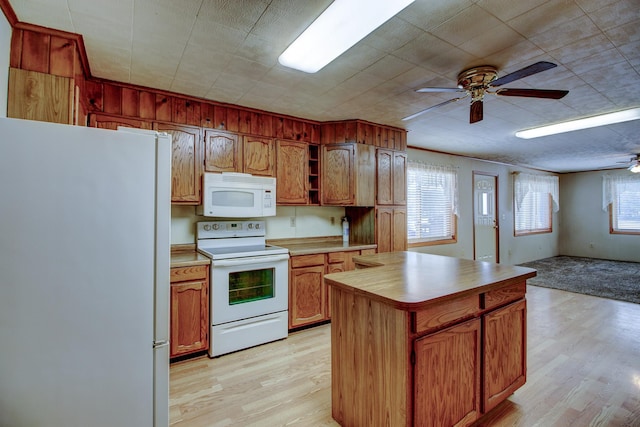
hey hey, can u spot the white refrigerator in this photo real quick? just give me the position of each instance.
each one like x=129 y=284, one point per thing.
x=84 y=276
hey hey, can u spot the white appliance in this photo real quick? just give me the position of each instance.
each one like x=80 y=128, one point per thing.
x=237 y=195
x=249 y=285
x=84 y=271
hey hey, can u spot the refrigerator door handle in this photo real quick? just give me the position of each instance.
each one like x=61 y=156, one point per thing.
x=158 y=344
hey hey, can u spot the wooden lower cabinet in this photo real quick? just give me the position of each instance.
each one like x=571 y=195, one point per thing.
x=444 y=365
x=504 y=335
x=448 y=361
x=309 y=296
x=189 y=324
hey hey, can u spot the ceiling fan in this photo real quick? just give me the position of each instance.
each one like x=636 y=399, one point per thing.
x=478 y=81
x=634 y=164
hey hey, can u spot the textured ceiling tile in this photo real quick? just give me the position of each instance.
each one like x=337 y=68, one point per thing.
x=515 y=54
x=625 y=33
x=491 y=41
x=100 y=30
x=422 y=48
x=190 y=87
x=428 y=14
x=239 y=14
x=508 y=9
x=578 y=29
x=585 y=99
x=216 y=36
x=389 y=67
x=392 y=35
x=283 y=21
x=582 y=49
x=282 y=76
x=604 y=58
x=260 y=50
x=544 y=17
x=166 y=23
x=465 y=26
x=110 y=10
x=48 y=13
x=415 y=77
x=249 y=70
x=616 y=14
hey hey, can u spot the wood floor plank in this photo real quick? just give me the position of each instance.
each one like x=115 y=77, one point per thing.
x=583 y=370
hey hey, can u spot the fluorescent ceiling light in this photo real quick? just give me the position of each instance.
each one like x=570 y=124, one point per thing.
x=635 y=168
x=589 y=122
x=343 y=24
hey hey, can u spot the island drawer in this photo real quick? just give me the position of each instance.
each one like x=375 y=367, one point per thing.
x=183 y=274
x=503 y=295
x=306 y=260
x=447 y=313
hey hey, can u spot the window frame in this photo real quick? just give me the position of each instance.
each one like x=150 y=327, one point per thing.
x=420 y=242
x=517 y=233
x=534 y=184
x=612 y=220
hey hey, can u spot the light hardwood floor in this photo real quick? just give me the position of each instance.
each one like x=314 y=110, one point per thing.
x=583 y=370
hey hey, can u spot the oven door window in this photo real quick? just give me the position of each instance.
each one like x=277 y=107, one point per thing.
x=253 y=285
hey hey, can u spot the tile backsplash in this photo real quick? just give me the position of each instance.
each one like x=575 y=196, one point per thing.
x=289 y=222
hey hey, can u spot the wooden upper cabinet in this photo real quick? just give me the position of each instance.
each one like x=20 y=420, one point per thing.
x=259 y=156
x=292 y=173
x=399 y=178
x=222 y=151
x=186 y=162
x=392 y=177
x=348 y=174
x=104 y=121
x=391 y=229
x=39 y=96
x=384 y=170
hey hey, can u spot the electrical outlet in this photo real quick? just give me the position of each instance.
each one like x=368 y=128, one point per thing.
x=292 y=221
x=333 y=220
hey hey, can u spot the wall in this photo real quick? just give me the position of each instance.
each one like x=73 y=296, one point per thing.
x=5 y=48
x=309 y=221
x=513 y=250
x=585 y=226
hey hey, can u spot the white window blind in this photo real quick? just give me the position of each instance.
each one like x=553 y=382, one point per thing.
x=622 y=193
x=535 y=196
x=432 y=202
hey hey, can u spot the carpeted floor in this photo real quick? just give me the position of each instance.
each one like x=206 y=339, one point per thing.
x=603 y=278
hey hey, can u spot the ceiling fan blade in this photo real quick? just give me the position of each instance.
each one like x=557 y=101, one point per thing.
x=533 y=93
x=476 y=111
x=433 y=108
x=439 y=89
x=523 y=72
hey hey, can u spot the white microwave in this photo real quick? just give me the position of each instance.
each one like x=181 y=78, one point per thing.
x=237 y=195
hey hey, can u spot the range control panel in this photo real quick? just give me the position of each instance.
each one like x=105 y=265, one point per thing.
x=226 y=229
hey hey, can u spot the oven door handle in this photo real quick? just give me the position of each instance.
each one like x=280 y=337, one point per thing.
x=247 y=260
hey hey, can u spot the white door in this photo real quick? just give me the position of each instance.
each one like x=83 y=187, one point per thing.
x=485 y=217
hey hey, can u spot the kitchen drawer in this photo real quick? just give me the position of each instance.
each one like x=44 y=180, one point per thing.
x=182 y=274
x=306 y=260
x=502 y=296
x=333 y=257
x=439 y=315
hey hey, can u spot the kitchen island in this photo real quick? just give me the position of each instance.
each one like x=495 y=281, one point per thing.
x=425 y=340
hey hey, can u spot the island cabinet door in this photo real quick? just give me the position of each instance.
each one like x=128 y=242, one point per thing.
x=447 y=376
x=505 y=352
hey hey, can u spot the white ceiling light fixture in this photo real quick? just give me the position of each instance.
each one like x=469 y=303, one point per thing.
x=343 y=24
x=588 y=122
x=635 y=168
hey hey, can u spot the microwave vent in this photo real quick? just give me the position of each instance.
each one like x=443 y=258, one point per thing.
x=246 y=178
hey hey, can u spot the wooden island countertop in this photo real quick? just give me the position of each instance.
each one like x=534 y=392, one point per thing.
x=411 y=280
x=425 y=340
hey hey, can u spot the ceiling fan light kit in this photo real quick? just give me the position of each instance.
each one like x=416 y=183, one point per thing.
x=585 y=123
x=343 y=24
x=478 y=81
x=635 y=168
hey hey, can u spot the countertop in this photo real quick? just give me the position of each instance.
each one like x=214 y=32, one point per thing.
x=412 y=280
x=186 y=256
x=317 y=246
